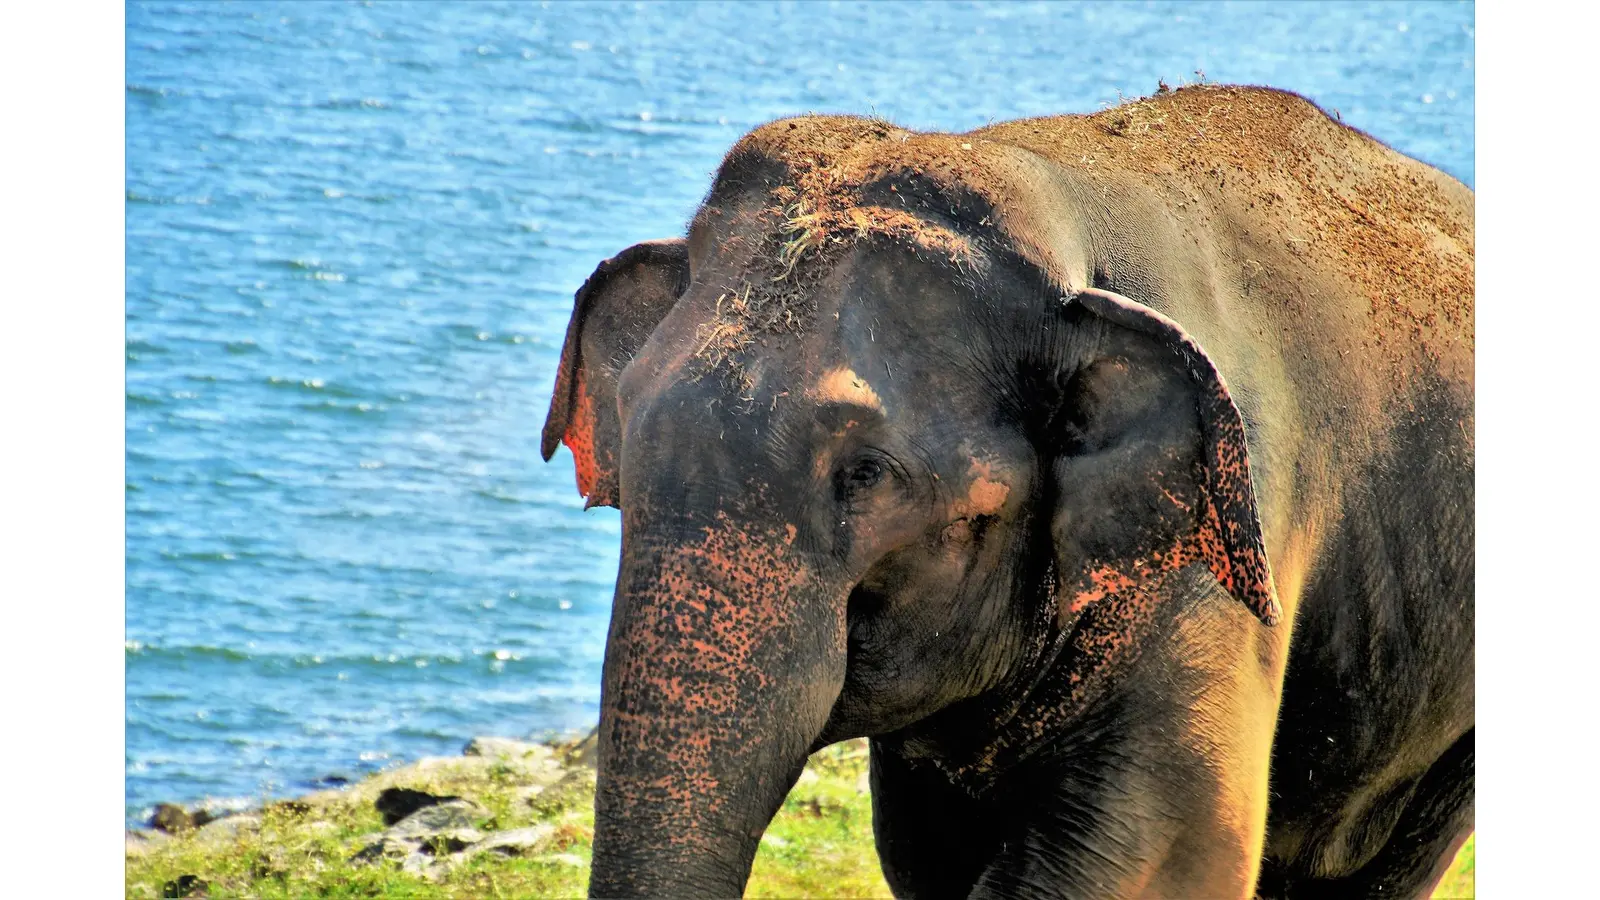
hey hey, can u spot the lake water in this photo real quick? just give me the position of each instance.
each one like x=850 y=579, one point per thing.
x=353 y=235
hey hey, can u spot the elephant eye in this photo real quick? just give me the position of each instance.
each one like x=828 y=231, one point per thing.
x=859 y=476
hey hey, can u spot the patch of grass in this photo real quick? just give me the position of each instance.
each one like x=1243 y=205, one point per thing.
x=819 y=845
x=1458 y=884
x=306 y=850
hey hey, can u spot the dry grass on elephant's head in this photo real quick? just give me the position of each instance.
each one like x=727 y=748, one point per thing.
x=840 y=185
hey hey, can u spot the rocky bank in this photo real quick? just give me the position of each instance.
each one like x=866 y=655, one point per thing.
x=435 y=816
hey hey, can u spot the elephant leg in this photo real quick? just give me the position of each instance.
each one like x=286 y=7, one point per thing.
x=933 y=839
x=1437 y=820
x=1435 y=824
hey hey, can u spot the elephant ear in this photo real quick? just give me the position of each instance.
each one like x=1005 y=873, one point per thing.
x=613 y=315
x=1155 y=471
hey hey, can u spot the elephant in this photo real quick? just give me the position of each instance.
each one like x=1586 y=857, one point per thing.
x=1111 y=474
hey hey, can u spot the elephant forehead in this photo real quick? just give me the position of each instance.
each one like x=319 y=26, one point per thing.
x=842 y=385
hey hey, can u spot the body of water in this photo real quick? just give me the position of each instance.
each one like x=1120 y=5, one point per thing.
x=353 y=235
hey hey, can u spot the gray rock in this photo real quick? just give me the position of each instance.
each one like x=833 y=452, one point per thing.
x=439 y=770
x=381 y=846
x=563 y=789
x=444 y=816
x=448 y=841
x=423 y=864
x=230 y=827
x=506 y=748
x=585 y=752
x=435 y=845
x=396 y=803
x=517 y=841
x=172 y=818
x=433 y=831
x=140 y=842
x=430 y=856
x=522 y=762
x=449 y=766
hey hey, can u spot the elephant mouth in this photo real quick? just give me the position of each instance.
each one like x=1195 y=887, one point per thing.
x=871 y=675
x=850 y=717
x=862 y=611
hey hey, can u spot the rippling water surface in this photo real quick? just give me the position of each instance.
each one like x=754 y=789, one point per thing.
x=353 y=235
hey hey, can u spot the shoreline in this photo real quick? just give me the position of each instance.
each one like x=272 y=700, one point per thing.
x=212 y=807
x=507 y=818
x=538 y=764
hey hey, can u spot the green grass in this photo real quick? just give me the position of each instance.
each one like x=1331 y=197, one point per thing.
x=1458 y=883
x=820 y=844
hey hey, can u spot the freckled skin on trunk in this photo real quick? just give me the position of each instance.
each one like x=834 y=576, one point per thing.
x=719 y=674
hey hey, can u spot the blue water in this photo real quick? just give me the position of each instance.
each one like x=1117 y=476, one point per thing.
x=353 y=234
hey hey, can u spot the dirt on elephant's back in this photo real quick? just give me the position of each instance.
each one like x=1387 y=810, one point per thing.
x=1400 y=231
x=1348 y=208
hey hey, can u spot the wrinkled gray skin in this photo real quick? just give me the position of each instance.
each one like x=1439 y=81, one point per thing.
x=960 y=507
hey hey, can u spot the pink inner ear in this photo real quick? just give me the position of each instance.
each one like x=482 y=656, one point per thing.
x=579 y=437
x=1230 y=531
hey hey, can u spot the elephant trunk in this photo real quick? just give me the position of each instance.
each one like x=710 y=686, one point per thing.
x=723 y=661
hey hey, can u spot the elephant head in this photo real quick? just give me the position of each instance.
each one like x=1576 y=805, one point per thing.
x=878 y=470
